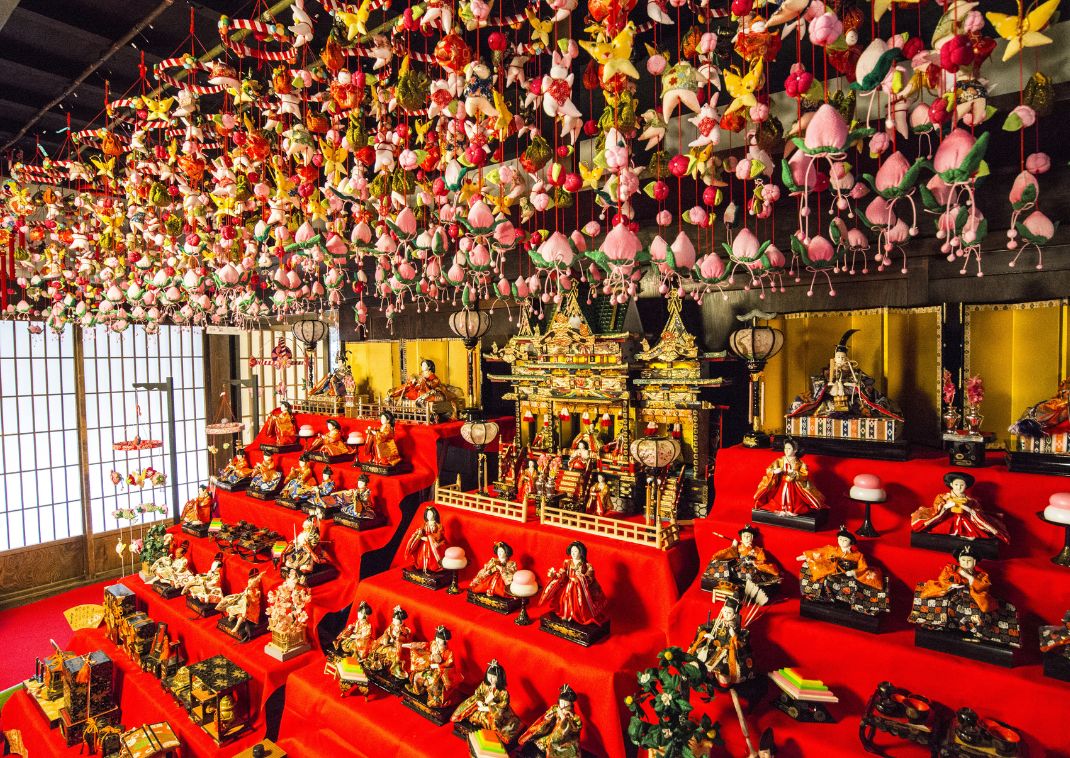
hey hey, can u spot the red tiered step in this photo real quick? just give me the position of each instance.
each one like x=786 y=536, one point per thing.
x=641 y=583
x=852 y=662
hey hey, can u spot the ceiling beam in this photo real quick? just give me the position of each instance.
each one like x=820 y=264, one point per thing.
x=92 y=67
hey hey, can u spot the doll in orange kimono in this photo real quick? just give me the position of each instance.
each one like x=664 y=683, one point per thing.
x=381 y=444
x=198 y=510
x=330 y=443
x=497 y=573
x=356 y=639
x=237 y=470
x=433 y=674
x=957 y=514
x=960 y=600
x=743 y=562
x=572 y=592
x=427 y=543
x=840 y=574
x=724 y=646
x=786 y=486
x=280 y=428
x=599 y=496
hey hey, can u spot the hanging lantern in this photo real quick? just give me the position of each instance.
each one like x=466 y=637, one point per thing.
x=677 y=431
x=528 y=416
x=651 y=428
x=756 y=344
x=586 y=417
x=606 y=421
x=563 y=414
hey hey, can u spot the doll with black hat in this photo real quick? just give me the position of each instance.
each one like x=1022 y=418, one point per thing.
x=957 y=613
x=557 y=731
x=741 y=562
x=433 y=677
x=839 y=584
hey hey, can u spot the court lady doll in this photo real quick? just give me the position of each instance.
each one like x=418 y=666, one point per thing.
x=557 y=731
x=786 y=490
x=497 y=573
x=489 y=708
x=427 y=543
x=598 y=497
x=356 y=639
x=526 y=480
x=382 y=447
x=280 y=429
x=574 y=595
x=954 y=518
x=198 y=510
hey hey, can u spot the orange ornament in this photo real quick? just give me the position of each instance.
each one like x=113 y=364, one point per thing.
x=452 y=53
x=333 y=56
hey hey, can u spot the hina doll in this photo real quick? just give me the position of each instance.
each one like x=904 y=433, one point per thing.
x=1055 y=646
x=356 y=640
x=960 y=601
x=172 y=572
x=557 y=732
x=237 y=471
x=589 y=437
x=303 y=555
x=489 y=708
x=331 y=444
x=358 y=502
x=317 y=498
x=266 y=477
x=280 y=429
x=724 y=646
x=241 y=611
x=422 y=389
x=388 y=652
x=335 y=383
x=433 y=675
x=427 y=543
x=954 y=514
x=508 y=457
x=198 y=509
x=580 y=458
x=299 y=484
x=840 y=574
x=207 y=588
x=573 y=593
x=741 y=562
x=1051 y=416
x=786 y=487
x=497 y=573
x=598 y=496
x=382 y=447
x=525 y=482
x=545 y=439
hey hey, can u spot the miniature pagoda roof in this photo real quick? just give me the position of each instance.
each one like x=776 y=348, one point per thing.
x=675 y=342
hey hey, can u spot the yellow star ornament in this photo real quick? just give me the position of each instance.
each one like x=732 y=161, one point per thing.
x=1023 y=30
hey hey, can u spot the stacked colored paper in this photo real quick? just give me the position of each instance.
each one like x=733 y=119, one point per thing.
x=350 y=670
x=277 y=549
x=799 y=688
x=486 y=744
x=215 y=526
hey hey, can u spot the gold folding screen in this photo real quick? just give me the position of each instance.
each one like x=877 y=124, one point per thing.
x=899 y=348
x=378 y=365
x=1021 y=353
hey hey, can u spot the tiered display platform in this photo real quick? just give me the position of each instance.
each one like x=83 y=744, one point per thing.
x=642 y=583
x=852 y=662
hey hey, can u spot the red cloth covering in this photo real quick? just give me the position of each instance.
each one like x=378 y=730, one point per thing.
x=641 y=584
x=141 y=701
x=851 y=662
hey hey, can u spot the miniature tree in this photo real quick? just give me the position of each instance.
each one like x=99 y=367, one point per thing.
x=661 y=710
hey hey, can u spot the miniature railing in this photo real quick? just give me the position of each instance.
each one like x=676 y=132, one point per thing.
x=658 y=535
x=453 y=496
x=403 y=411
x=329 y=406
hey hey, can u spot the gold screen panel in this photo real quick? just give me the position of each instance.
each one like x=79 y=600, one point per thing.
x=900 y=349
x=1021 y=353
x=376 y=366
x=451 y=362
